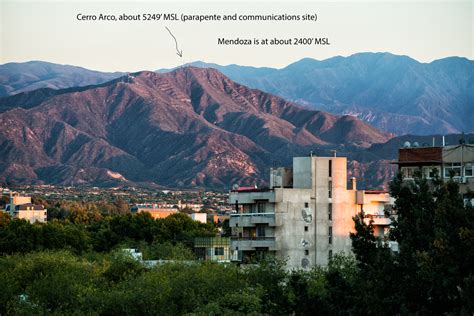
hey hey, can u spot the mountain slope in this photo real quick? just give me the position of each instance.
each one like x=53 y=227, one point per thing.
x=393 y=93
x=22 y=77
x=189 y=127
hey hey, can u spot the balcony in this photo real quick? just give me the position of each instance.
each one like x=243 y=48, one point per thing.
x=252 y=243
x=378 y=220
x=251 y=219
x=254 y=196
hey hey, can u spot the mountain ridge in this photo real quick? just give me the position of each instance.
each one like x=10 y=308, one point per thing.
x=185 y=128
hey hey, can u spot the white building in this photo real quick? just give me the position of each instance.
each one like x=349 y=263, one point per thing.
x=21 y=207
x=306 y=215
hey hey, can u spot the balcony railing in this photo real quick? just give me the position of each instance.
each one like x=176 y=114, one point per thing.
x=251 y=219
x=252 y=243
x=378 y=219
x=251 y=197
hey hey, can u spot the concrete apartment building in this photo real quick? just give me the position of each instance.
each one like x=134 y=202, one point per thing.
x=456 y=160
x=22 y=208
x=305 y=216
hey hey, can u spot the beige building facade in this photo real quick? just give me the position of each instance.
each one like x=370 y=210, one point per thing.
x=22 y=208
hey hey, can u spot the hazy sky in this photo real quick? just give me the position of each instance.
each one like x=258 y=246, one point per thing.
x=49 y=31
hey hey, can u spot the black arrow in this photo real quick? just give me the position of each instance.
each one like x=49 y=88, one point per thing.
x=178 y=52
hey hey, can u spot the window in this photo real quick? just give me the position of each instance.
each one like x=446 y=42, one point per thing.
x=453 y=169
x=260 y=207
x=409 y=172
x=219 y=251
x=330 y=255
x=330 y=211
x=430 y=171
x=469 y=169
x=330 y=168
x=306 y=228
x=306 y=252
x=330 y=189
x=330 y=235
x=306 y=204
x=260 y=231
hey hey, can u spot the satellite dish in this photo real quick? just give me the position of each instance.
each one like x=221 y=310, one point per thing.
x=304 y=262
x=406 y=144
x=235 y=186
x=304 y=243
x=416 y=144
x=306 y=214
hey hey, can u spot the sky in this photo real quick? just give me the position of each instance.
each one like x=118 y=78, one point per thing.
x=50 y=31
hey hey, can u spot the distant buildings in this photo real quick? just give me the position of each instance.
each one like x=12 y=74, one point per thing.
x=22 y=208
x=165 y=210
x=454 y=160
x=155 y=210
x=305 y=217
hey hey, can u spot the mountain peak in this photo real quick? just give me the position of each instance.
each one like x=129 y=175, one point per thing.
x=189 y=127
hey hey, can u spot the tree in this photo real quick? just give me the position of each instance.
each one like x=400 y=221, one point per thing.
x=433 y=271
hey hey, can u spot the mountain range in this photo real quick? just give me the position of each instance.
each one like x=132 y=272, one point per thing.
x=185 y=128
x=204 y=125
x=394 y=93
x=21 y=77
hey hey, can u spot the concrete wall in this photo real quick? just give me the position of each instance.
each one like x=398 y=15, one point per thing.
x=454 y=153
x=33 y=216
x=290 y=236
x=302 y=172
x=19 y=200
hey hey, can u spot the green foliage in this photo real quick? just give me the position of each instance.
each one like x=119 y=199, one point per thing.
x=74 y=266
x=20 y=236
x=166 y=251
x=432 y=273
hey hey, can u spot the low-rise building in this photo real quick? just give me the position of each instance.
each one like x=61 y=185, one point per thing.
x=456 y=161
x=305 y=216
x=199 y=217
x=213 y=249
x=155 y=210
x=22 y=208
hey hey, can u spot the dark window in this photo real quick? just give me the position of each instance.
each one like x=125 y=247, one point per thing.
x=306 y=204
x=260 y=231
x=330 y=254
x=330 y=168
x=219 y=251
x=306 y=228
x=306 y=252
x=330 y=189
x=330 y=234
x=330 y=211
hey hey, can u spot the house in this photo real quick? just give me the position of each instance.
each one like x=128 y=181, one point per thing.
x=456 y=161
x=22 y=208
